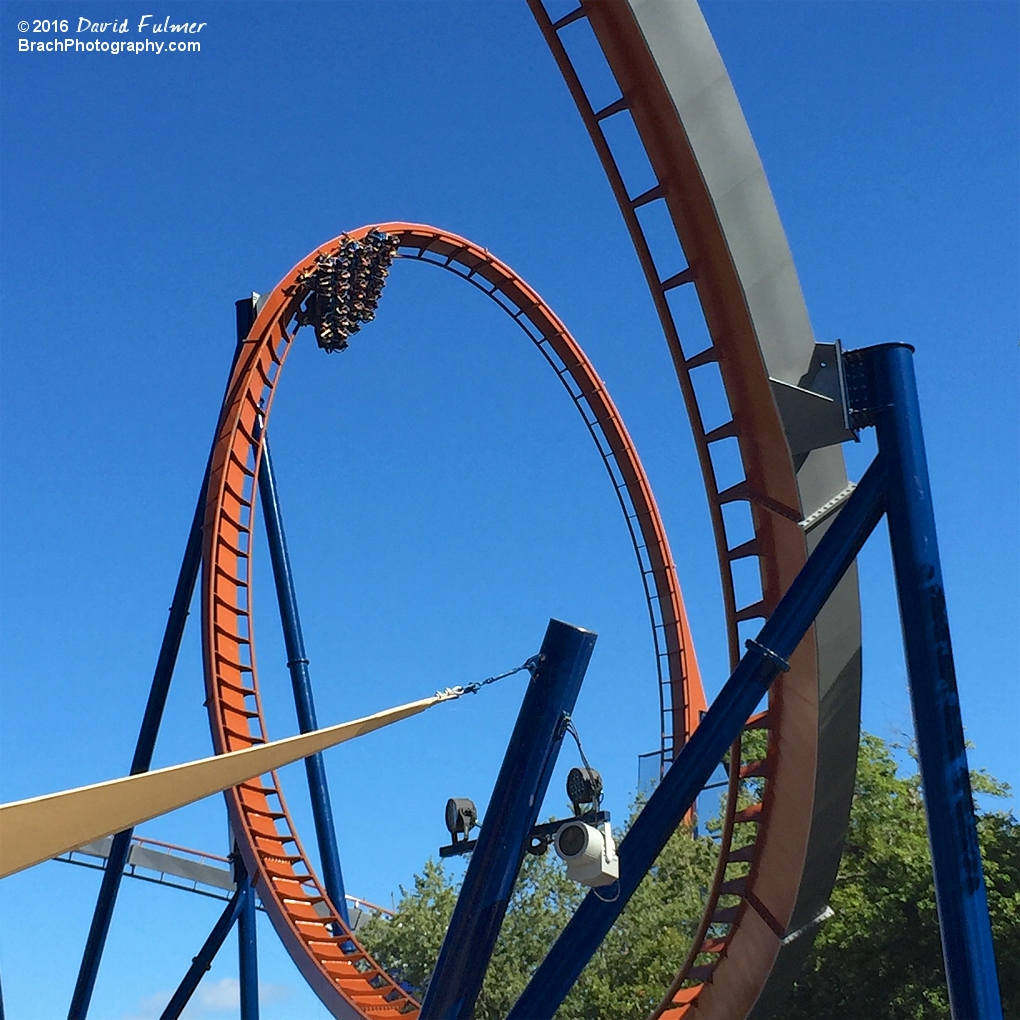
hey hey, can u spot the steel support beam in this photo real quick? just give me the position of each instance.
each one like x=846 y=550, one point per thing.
x=146 y=743
x=938 y=727
x=247 y=946
x=301 y=681
x=513 y=809
x=675 y=794
x=203 y=961
x=121 y=847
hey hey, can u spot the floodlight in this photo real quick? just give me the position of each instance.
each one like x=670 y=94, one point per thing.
x=461 y=816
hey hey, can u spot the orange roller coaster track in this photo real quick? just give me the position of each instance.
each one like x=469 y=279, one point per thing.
x=708 y=185
x=344 y=976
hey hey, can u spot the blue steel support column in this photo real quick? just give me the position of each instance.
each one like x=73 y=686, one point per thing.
x=938 y=728
x=297 y=663
x=675 y=794
x=146 y=743
x=248 y=961
x=203 y=961
x=141 y=761
x=513 y=809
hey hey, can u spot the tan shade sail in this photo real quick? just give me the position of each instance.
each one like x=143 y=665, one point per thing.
x=34 y=830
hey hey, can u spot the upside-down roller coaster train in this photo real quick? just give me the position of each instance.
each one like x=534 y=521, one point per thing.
x=792 y=402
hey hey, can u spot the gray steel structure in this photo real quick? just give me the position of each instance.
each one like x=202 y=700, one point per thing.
x=787 y=417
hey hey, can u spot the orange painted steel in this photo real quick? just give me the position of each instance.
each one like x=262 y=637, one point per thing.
x=336 y=966
x=740 y=942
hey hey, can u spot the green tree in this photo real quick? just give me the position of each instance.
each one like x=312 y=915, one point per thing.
x=877 y=957
x=880 y=954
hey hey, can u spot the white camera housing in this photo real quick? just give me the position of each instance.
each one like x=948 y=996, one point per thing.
x=589 y=853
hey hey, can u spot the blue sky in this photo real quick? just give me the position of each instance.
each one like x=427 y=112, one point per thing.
x=441 y=496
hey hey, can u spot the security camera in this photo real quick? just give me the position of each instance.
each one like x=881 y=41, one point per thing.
x=589 y=853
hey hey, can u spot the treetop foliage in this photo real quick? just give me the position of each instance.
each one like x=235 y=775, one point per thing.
x=877 y=958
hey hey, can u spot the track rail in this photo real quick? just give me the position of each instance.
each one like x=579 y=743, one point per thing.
x=345 y=977
x=756 y=897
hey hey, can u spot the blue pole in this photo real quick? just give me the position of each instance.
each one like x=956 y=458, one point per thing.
x=956 y=858
x=146 y=743
x=141 y=761
x=511 y=814
x=675 y=794
x=297 y=664
x=248 y=961
x=203 y=961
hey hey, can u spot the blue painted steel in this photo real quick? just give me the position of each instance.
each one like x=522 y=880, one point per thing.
x=247 y=947
x=512 y=811
x=675 y=794
x=203 y=961
x=297 y=663
x=956 y=858
x=146 y=743
x=141 y=761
